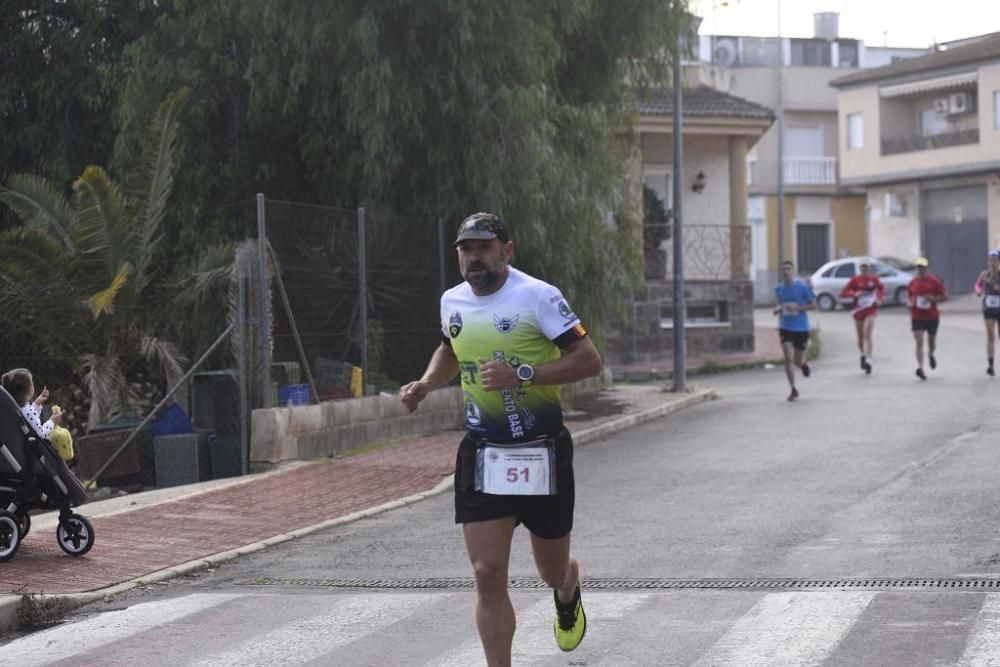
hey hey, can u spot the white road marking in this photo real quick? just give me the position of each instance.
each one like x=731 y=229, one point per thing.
x=982 y=648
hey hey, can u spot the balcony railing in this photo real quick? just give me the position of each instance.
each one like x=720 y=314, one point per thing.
x=810 y=170
x=929 y=142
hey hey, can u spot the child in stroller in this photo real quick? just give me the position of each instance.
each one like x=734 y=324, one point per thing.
x=32 y=476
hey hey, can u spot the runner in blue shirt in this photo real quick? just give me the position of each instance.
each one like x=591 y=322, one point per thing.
x=795 y=297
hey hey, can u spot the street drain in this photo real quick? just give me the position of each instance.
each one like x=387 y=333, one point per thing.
x=467 y=583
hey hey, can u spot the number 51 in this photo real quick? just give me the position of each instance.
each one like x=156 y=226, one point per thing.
x=513 y=474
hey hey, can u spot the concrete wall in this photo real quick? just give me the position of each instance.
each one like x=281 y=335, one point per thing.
x=895 y=236
x=315 y=431
x=707 y=154
x=850 y=234
x=868 y=162
x=993 y=209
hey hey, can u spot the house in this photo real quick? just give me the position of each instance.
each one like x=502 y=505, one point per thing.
x=718 y=132
x=823 y=218
x=921 y=137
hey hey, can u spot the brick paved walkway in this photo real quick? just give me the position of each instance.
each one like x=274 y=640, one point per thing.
x=135 y=543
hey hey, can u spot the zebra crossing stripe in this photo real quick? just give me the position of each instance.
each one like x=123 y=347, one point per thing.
x=534 y=637
x=982 y=648
x=798 y=628
x=76 y=639
x=304 y=639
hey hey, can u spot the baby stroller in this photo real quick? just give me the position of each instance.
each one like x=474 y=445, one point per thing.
x=32 y=476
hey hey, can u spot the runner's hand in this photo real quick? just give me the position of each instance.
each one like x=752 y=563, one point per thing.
x=497 y=375
x=412 y=393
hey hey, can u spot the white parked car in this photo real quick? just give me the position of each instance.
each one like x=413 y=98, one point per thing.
x=830 y=278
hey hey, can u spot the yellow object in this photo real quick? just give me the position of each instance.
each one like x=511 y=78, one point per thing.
x=357 y=390
x=61 y=438
x=922 y=261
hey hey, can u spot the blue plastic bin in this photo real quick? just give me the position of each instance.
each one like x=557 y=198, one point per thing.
x=293 y=394
x=171 y=421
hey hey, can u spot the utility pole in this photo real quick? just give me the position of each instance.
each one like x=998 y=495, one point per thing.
x=781 y=144
x=680 y=335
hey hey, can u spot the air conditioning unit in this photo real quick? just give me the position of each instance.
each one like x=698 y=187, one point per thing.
x=959 y=103
x=725 y=52
x=942 y=106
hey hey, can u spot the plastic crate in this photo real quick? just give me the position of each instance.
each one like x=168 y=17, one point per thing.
x=286 y=372
x=293 y=394
x=94 y=449
x=183 y=458
x=332 y=373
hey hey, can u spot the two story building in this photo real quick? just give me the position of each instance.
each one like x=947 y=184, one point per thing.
x=823 y=219
x=922 y=138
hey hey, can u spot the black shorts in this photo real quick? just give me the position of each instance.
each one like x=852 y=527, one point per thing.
x=991 y=314
x=930 y=326
x=798 y=339
x=549 y=517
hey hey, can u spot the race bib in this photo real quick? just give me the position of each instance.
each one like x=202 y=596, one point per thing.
x=923 y=303
x=993 y=300
x=516 y=470
x=789 y=308
x=866 y=300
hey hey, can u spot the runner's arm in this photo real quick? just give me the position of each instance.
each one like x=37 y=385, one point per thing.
x=442 y=367
x=579 y=361
x=980 y=282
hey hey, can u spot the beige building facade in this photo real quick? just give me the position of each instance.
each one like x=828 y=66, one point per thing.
x=922 y=137
x=823 y=218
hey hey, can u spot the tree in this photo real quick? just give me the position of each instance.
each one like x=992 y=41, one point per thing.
x=427 y=109
x=81 y=275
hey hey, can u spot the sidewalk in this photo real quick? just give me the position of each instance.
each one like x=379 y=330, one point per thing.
x=767 y=349
x=161 y=534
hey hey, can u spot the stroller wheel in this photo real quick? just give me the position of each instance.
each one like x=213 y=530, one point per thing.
x=25 y=525
x=75 y=534
x=10 y=536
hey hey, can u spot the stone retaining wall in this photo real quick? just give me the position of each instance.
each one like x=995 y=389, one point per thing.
x=306 y=432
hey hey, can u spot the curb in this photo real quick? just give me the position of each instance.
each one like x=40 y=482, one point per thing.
x=12 y=606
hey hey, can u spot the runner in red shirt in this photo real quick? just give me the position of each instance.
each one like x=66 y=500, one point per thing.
x=926 y=292
x=867 y=291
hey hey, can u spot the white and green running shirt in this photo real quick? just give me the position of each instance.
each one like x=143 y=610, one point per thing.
x=524 y=322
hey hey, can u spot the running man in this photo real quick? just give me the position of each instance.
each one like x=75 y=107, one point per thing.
x=926 y=292
x=514 y=339
x=867 y=291
x=794 y=299
x=988 y=287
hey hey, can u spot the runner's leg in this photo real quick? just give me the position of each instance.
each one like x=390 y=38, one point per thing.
x=931 y=348
x=991 y=334
x=869 y=327
x=488 y=545
x=918 y=336
x=789 y=351
x=555 y=566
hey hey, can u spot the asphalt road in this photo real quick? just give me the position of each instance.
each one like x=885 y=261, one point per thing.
x=846 y=496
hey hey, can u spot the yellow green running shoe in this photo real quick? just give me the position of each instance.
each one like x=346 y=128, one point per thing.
x=571 y=622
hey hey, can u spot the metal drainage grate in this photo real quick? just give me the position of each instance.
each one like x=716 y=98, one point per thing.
x=467 y=583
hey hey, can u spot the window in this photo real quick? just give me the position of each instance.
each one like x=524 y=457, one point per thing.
x=811 y=52
x=996 y=109
x=895 y=204
x=855 y=131
x=828 y=272
x=762 y=51
x=848 y=53
x=845 y=270
x=932 y=122
x=657 y=179
x=804 y=141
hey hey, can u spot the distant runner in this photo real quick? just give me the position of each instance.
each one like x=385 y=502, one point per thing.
x=988 y=287
x=794 y=299
x=926 y=292
x=867 y=291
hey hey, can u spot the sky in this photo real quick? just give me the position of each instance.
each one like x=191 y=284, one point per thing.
x=901 y=23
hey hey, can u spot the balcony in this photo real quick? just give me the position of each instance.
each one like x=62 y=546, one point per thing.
x=923 y=143
x=810 y=170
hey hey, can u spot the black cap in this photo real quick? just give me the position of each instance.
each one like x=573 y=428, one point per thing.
x=482 y=226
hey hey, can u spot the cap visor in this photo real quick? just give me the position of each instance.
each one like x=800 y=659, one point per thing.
x=475 y=236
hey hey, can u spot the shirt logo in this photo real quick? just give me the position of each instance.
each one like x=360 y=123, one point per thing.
x=565 y=311
x=455 y=324
x=505 y=324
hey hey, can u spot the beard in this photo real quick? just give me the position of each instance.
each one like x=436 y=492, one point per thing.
x=482 y=277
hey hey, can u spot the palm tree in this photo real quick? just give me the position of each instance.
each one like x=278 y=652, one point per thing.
x=80 y=277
